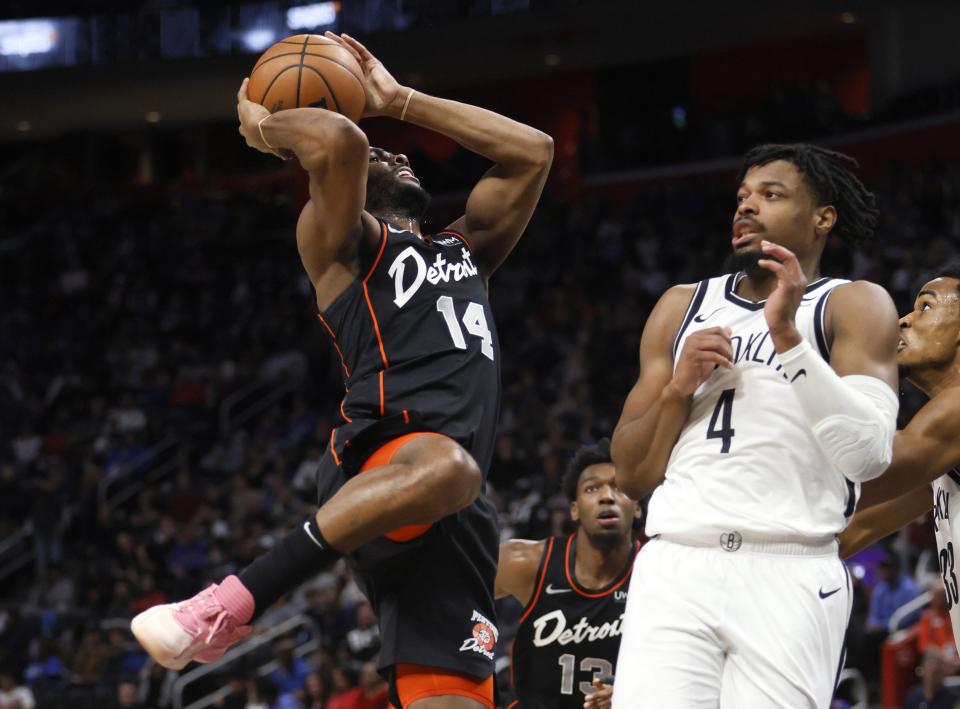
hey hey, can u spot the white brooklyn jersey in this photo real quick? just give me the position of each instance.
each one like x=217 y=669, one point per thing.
x=746 y=460
x=946 y=507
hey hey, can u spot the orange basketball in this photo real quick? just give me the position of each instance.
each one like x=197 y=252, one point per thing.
x=308 y=70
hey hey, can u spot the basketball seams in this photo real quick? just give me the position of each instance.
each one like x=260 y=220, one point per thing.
x=311 y=54
x=333 y=96
x=300 y=71
x=272 y=82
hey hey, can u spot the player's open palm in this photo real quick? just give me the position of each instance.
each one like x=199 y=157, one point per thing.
x=380 y=87
x=702 y=352
x=781 y=307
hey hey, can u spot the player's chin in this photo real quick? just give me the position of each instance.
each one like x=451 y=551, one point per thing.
x=607 y=535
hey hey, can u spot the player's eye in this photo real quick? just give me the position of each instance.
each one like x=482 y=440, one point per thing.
x=374 y=158
x=924 y=306
x=771 y=194
x=740 y=198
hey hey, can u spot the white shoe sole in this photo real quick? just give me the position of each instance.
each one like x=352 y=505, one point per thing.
x=162 y=637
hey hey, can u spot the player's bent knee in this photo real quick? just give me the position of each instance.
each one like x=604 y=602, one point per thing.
x=451 y=481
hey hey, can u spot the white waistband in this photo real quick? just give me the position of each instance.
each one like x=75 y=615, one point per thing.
x=733 y=542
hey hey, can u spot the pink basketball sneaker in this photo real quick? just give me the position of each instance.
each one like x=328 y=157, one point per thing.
x=201 y=628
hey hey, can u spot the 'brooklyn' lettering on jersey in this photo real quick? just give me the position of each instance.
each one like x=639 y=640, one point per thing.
x=771 y=480
x=568 y=635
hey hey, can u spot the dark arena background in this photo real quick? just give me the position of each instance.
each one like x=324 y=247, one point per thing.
x=166 y=390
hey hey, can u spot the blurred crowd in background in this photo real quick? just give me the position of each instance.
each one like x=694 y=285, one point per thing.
x=131 y=322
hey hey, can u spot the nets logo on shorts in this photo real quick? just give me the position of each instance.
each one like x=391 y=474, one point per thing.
x=483 y=636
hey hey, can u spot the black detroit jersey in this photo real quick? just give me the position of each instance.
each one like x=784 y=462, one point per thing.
x=568 y=634
x=416 y=336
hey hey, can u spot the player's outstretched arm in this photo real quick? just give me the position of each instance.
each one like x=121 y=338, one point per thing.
x=517 y=569
x=501 y=204
x=335 y=154
x=873 y=524
x=851 y=403
x=657 y=407
x=925 y=449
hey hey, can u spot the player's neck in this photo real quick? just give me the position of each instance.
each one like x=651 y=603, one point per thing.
x=760 y=288
x=402 y=221
x=596 y=566
x=933 y=382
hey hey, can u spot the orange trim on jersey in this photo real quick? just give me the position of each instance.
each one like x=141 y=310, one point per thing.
x=344 y=413
x=336 y=346
x=366 y=294
x=543 y=576
x=414 y=682
x=336 y=458
x=381 y=392
x=513 y=704
x=587 y=594
x=456 y=234
x=406 y=416
x=384 y=456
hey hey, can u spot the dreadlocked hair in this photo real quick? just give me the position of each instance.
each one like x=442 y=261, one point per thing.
x=830 y=175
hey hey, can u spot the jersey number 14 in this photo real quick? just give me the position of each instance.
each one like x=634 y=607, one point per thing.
x=473 y=319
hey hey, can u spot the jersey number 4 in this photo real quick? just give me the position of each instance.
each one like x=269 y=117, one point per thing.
x=723 y=413
x=473 y=319
x=597 y=666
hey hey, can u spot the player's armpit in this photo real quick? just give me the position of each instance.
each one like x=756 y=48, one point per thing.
x=517 y=569
x=873 y=524
x=652 y=414
x=923 y=451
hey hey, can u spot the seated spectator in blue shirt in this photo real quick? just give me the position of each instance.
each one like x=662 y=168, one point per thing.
x=894 y=590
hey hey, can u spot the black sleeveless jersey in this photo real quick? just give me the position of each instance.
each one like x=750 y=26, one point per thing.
x=416 y=336
x=568 y=634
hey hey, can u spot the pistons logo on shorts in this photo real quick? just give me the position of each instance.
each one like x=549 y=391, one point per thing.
x=483 y=636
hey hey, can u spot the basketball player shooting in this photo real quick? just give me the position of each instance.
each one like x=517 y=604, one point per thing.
x=409 y=316
x=926 y=453
x=765 y=398
x=574 y=592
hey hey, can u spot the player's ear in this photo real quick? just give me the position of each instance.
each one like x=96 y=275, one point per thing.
x=574 y=511
x=824 y=219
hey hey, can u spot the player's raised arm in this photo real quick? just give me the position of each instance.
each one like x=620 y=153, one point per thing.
x=517 y=569
x=924 y=450
x=851 y=404
x=335 y=154
x=659 y=403
x=501 y=204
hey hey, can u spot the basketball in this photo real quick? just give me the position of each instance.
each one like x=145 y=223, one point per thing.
x=308 y=70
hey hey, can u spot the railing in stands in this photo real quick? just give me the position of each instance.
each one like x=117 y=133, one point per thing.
x=859 y=698
x=16 y=551
x=120 y=485
x=245 y=648
x=253 y=399
x=907 y=609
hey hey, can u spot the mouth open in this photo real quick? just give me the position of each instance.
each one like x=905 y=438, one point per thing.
x=608 y=518
x=407 y=172
x=901 y=345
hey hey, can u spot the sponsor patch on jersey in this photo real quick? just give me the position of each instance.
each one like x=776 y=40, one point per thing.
x=484 y=636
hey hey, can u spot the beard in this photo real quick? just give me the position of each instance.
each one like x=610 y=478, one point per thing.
x=747 y=261
x=389 y=196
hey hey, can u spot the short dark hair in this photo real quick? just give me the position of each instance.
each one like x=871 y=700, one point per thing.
x=830 y=175
x=950 y=270
x=599 y=452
